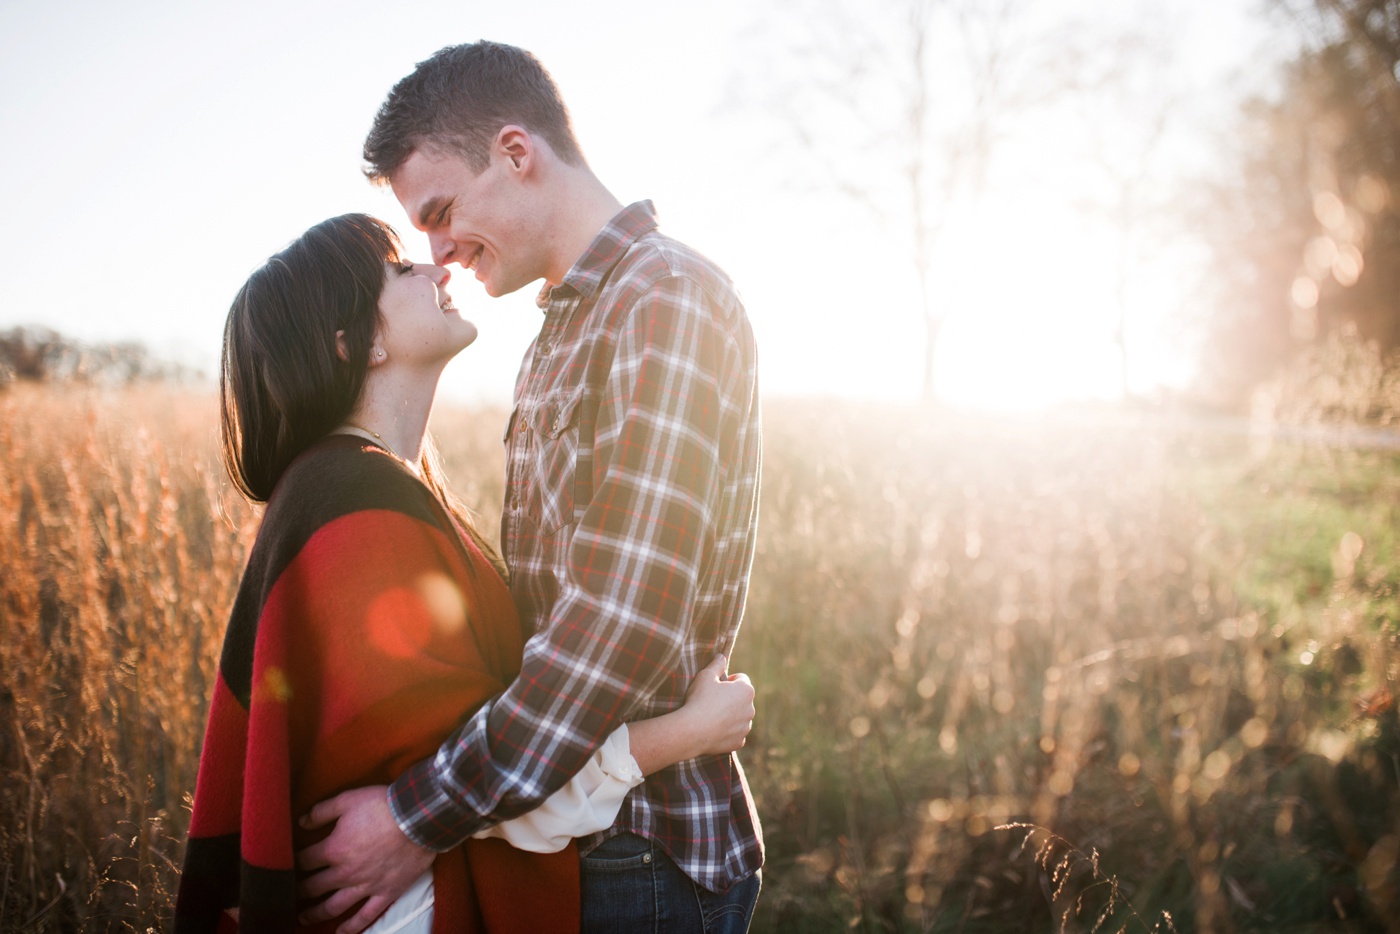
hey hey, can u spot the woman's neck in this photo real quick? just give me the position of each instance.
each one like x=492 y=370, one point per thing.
x=396 y=412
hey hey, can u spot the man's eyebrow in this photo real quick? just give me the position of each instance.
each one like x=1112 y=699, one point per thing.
x=430 y=207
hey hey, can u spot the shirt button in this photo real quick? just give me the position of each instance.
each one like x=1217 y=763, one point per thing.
x=646 y=857
x=545 y=348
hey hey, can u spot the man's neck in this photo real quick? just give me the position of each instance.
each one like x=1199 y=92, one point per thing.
x=582 y=209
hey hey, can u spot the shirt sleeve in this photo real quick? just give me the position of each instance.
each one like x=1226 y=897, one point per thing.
x=588 y=803
x=668 y=418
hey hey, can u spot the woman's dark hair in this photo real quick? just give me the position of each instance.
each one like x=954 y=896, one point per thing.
x=282 y=385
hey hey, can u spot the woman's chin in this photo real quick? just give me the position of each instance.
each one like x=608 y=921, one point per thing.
x=468 y=337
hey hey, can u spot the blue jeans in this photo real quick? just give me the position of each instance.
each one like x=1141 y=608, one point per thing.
x=630 y=886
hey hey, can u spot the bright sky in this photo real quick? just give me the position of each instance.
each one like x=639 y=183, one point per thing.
x=156 y=152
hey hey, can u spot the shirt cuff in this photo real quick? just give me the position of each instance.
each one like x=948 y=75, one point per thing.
x=587 y=804
x=426 y=813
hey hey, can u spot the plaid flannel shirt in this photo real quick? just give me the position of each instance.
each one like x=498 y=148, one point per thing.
x=632 y=463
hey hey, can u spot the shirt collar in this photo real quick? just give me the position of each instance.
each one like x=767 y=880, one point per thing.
x=587 y=274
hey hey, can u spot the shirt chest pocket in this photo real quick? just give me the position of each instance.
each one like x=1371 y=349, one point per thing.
x=553 y=463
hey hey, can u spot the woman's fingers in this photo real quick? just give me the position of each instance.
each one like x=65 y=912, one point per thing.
x=716 y=667
x=725 y=705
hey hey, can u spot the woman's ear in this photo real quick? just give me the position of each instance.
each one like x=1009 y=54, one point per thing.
x=376 y=353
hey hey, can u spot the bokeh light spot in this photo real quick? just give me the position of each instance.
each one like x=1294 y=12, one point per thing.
x=1304 y=292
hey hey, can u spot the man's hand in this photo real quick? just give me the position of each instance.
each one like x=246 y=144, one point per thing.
x=366 y=856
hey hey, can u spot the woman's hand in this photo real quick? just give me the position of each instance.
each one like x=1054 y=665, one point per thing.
x=715 y=720
x=719 y=709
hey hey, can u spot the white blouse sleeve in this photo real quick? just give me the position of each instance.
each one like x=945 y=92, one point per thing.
x=587 y=804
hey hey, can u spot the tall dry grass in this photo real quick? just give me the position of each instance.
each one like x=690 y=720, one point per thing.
x=957 y=631
x=1039 y=676
x=120 y=548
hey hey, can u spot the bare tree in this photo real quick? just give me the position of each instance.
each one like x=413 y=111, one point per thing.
x=901 y=105
x=1129 y=111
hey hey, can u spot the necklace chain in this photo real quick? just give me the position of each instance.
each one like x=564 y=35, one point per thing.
x=380 y=438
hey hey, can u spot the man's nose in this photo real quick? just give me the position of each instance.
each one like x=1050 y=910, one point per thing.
x=443 y=250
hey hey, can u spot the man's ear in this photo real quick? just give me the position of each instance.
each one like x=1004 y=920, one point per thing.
x=340 y=350
x=517 y=145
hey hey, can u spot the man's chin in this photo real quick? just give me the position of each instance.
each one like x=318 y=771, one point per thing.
x=490 y=287
x=497 y=289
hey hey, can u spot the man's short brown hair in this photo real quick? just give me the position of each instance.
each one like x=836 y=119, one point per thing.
x=458 y=100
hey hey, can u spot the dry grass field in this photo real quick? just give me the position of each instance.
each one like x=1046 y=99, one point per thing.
x=1044 y=674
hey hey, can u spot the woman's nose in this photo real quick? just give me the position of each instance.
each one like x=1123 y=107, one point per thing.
x=438 y=274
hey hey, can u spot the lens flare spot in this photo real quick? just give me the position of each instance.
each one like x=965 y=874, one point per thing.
x=445 y=603
x=399 y=623
x=273 y=687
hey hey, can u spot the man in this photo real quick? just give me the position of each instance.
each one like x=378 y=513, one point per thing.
x=631 y=502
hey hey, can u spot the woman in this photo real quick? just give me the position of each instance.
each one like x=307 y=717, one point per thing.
x=371 y=617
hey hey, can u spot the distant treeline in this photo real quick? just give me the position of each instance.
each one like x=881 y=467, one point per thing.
x=1305 y=229
x=41 y=354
